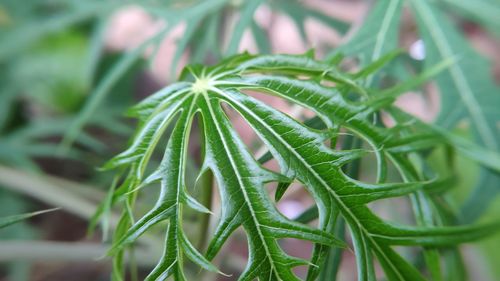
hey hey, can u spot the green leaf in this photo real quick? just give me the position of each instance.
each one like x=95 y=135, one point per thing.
x=102 y=90
x=245 y=21
x=299 y=13
x=301 y=153
x=377 y=36
x=482 y=11
x=465 y=95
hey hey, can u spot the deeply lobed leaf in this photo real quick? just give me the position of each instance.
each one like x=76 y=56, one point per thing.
x=301 y=153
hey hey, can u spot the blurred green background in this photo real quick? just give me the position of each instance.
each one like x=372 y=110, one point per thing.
x=69 y=70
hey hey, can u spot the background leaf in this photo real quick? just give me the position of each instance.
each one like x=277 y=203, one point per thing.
x=465 y=94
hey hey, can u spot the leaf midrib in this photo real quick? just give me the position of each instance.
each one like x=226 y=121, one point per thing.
x=156 y=138
x=383 y=30
x=464 y=89
x=381 y=36
x=319 y=178
x=238 y=176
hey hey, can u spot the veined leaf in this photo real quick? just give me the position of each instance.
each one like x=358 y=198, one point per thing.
x=301 y=153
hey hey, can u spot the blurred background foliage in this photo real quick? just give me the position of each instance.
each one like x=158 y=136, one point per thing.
x=69 y=69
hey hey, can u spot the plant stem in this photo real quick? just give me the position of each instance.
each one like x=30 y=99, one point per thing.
x=50 y=190
x=64 y=251
x=70 y=196
x=206 y=185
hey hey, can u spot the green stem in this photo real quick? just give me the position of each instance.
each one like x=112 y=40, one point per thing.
x=64 y=252
x=206 y=184
x=77 y=199
x=51 y=190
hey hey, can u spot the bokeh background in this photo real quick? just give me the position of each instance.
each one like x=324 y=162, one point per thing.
x=56 y=55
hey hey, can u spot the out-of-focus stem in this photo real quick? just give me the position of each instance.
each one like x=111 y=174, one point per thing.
x=64 y=251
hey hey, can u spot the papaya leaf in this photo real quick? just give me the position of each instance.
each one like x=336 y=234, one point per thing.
x=301 y=153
